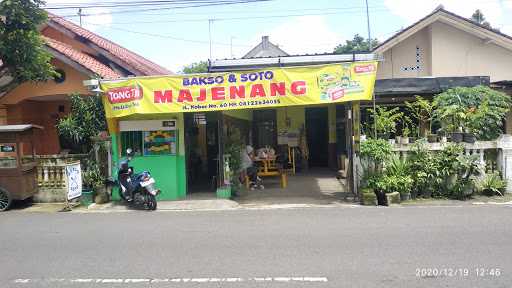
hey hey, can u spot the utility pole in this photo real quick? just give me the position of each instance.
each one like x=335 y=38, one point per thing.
x=369 y=50
x=210 y=22
x=368 y=23
x=80 y=15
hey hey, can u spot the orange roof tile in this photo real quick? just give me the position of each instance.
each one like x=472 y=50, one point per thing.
x=83 y=59
x=132 y=59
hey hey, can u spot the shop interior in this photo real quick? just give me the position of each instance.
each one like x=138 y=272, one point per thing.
x=298 y=150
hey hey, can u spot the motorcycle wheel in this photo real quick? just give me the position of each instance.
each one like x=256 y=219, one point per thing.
x=5 y=200
x=152 y=204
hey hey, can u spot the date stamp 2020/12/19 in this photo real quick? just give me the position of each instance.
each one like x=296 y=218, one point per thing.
x=461 y=272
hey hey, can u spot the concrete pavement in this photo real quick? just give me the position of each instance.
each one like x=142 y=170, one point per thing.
x=329 y=247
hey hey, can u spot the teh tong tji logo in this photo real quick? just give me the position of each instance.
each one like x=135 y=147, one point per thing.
x=124 y=94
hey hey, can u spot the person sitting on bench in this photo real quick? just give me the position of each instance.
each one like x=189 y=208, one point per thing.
x=249 y=168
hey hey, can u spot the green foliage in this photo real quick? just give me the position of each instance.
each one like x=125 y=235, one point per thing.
x=358 y=44
x=397 y=166
x=87 y=119
x=21 y=47
x=396 y=177
x=388 y=183
x=479 y=110
x=422 y=111
x=447 y=159
x=233 y=147
x=92 y=176
x=384 y=119
x=423 y=169
x=375 y=150
x=197 y=67
x=491 y=184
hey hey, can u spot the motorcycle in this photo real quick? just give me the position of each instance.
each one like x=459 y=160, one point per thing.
x=137 y=190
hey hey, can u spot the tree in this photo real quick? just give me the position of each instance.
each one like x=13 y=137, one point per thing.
x=479 y=18
x=479 y=110
x=22 y=51
x=196 y=67
x=358 y=44
x=86 y=119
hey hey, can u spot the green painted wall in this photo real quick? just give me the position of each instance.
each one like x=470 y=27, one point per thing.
x=169 y=171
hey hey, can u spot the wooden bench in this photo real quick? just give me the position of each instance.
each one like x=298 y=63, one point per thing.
x=270 y=169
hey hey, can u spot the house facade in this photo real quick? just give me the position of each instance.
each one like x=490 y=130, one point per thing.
x=78 y=55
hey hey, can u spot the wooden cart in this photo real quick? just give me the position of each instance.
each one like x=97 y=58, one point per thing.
x=18 y=165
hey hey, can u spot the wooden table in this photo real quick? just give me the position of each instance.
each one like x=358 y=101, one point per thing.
x=268 y=168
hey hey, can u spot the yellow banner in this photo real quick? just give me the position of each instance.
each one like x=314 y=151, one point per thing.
x=264 y=88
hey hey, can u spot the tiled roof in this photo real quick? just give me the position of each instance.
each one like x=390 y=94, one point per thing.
x=132 y=59
x=83 y=59
x=441 y=10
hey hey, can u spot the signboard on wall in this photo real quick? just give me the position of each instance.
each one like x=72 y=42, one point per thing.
x=74 y=180
x=266 y=88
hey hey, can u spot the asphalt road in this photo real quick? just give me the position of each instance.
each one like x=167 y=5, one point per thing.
x=314 y=247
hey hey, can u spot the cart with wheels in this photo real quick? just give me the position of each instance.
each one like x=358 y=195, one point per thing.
x=18 y=165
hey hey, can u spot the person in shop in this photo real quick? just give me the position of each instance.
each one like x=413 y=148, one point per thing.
x=250 y=169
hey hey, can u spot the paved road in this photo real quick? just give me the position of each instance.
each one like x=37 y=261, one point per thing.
x=315 y=247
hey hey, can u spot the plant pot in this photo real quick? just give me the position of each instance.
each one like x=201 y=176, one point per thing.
x=101 y=195
x=381 y=198
x=457 y=137
x=469 y=138
x=87 y=197
x=392 y=198
x=398 y=139
x=405 y=196
x=383 y=135
x=101 y=198
x=432 y=138
x=369 y=199
x=391 y=141
x=404 y=140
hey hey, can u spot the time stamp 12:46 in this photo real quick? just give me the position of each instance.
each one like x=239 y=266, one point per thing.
x=458 y=272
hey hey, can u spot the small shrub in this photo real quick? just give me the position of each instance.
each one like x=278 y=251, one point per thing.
x=491 y=184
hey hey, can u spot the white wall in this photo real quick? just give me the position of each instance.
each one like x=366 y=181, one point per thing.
x=401 y=61
x=457 y=53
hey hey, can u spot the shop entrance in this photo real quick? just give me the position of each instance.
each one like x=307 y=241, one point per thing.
x=202 y=151
x=317 y=133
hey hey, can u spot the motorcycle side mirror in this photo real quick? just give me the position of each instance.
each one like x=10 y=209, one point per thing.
x=129 y=152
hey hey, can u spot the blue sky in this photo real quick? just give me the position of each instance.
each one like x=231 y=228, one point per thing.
x=176 y=38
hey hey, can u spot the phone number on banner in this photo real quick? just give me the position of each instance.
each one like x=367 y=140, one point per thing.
x=232 y=105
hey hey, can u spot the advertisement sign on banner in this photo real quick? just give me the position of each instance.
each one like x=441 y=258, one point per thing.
x=74 y=180
x=265 y=88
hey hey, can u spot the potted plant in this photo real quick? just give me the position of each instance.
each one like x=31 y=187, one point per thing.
x=405 y=135
x=478 y=110
x=93 y=179
x=432 y=138
x=422 y=110
x=385 y=120
x=491 y=184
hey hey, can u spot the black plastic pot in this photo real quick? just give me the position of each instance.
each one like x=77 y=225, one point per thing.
x=457 y=137
x=469 y=138
x=381 y=198
x=405 y=196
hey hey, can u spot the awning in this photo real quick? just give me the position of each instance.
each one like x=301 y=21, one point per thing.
x=425 y=85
